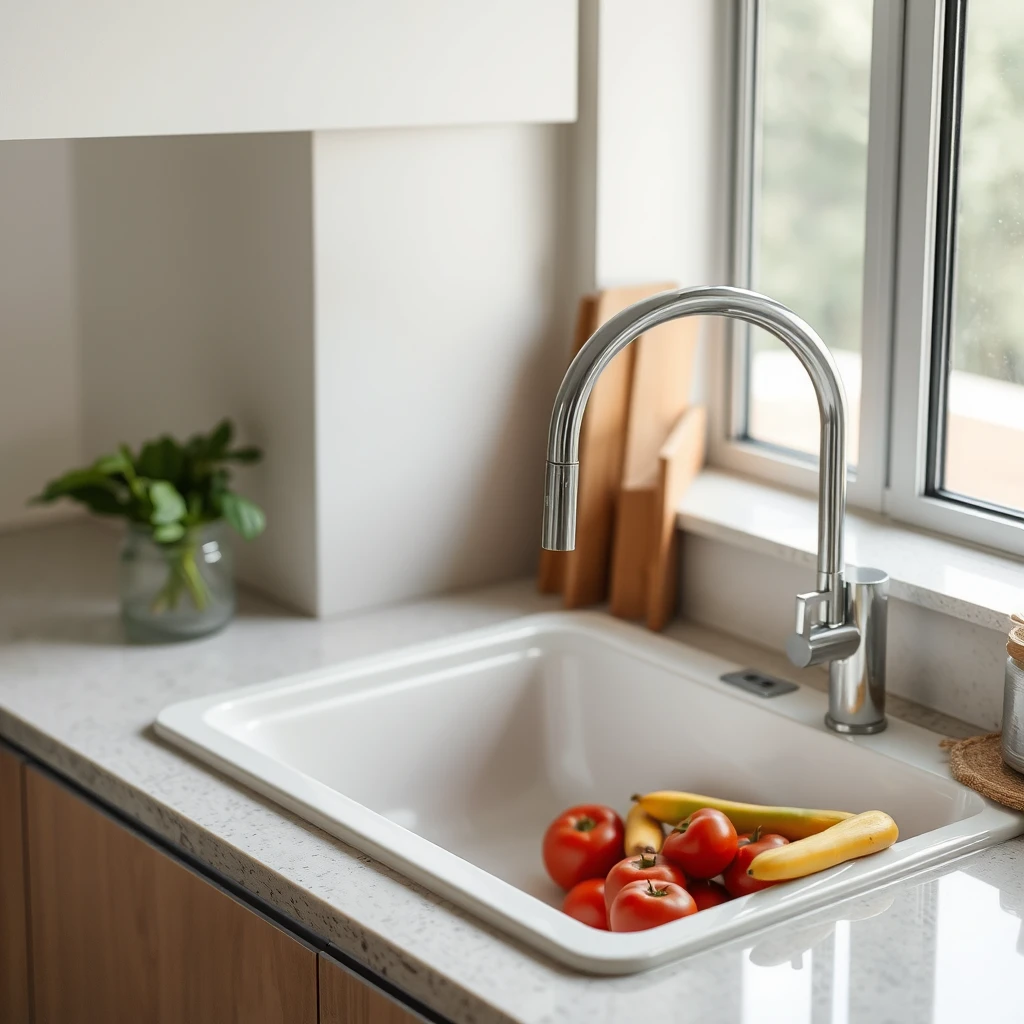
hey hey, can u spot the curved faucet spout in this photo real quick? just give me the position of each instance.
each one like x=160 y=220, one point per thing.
x=559 y=528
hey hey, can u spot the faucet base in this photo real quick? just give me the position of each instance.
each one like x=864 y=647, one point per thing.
x=856 y=685
x=856 y=729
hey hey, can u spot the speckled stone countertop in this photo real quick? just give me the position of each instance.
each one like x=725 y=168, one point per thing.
x=934 y=948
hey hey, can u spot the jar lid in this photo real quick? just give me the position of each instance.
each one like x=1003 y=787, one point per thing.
x=1015 y=644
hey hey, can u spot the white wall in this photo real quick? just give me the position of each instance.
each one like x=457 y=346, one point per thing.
x=39 y=386
x=195 y=258
x=442 y=326
x=651 y=148
x=657 y=66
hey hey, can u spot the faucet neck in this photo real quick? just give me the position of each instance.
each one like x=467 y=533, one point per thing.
x=737 y=304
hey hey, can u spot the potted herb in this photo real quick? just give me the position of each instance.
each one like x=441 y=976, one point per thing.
x=176 y=578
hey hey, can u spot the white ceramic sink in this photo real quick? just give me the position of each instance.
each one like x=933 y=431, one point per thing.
x=448 y=760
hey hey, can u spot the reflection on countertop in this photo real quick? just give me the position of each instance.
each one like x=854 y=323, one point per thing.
x=938 y=948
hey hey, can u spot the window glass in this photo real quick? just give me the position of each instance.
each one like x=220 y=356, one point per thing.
x=809 y=199
x=984 y=449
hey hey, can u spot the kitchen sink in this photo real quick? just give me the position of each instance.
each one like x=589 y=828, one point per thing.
x=446 y=761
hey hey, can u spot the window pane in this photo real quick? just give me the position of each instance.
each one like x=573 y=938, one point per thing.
x=984 y=455
x=814 y=82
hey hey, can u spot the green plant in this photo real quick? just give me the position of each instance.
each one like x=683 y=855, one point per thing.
x=170 y=489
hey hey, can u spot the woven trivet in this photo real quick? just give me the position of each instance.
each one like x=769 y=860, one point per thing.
x=977 y=762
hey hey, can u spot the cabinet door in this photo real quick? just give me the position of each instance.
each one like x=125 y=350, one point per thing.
x=13 y=933
x=74 y=69
x=122 y=932
x=347 y=999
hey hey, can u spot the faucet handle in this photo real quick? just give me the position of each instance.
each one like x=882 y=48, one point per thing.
x=813 y=642
x=812 y=601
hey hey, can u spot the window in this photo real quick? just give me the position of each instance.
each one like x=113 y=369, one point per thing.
x=879 y=192
x=809 y=190
x=979 y=375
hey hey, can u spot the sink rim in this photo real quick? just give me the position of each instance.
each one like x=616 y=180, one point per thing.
x=191 y=725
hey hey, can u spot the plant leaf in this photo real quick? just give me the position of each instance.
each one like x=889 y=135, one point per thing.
x=245 y=516
x=218 y=441
x=101 y=500
x=250 y=454
x=168 y=504
x=162 y=459
x=65 y=486
x=110 y=465
x=168 y=532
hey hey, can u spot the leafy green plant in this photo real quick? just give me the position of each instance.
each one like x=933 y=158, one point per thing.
x=171 y=490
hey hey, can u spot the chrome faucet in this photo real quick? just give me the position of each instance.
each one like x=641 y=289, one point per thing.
x=844 y=620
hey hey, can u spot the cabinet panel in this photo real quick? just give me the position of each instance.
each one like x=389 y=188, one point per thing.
x=13 y=934
x=147 y=67
x=346 y=999
x=121 y=932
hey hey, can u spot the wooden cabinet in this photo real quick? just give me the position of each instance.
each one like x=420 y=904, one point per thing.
x=122 y=932
x=116 y=930
x=345 y=999
x=13 y=933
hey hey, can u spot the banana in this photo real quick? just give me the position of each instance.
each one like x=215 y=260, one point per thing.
x=791 y=822
x=642 y=832
x=855 y=837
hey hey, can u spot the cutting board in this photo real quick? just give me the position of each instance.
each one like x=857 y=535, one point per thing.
x=645 y=554
x=582 y=574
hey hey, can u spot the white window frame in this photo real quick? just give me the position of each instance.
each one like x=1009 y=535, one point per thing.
x=898 y=288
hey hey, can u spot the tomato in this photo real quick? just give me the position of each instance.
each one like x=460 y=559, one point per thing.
x=637 y=869
x=703 y=845
x=708 y=894
x=735 y=876
x=585 y=902
x=583 y=842
x=647 y=903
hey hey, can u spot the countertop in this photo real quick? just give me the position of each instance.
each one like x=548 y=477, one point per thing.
x=938 y=947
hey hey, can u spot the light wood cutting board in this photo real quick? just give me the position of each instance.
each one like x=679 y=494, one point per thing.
x=582 y=574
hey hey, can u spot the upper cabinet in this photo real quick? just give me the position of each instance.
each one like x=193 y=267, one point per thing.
x=148 y=67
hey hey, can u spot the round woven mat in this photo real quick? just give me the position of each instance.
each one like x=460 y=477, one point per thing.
x=977 y=762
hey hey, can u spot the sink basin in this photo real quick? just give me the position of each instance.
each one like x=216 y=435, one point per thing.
x=447 y=761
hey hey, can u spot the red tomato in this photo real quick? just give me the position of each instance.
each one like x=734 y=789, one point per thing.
x=647 y=903
x=637 y=869
x=583 y=842
x=735 y=876
x=703 y=845
x=585 y=902
x=708 y=894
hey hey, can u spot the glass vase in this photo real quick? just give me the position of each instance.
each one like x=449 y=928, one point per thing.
x=176 y=591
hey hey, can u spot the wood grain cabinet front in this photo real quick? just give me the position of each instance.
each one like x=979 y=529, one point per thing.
x=344 y=999
x=14 y=1006
x=121 y=932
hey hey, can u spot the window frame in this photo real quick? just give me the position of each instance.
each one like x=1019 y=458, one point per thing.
x=730 y=447
x=905 y=287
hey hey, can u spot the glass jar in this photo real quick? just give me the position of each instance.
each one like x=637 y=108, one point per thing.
x=176 y=591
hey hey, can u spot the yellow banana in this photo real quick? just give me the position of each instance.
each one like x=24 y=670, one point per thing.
x=855 y=837
x=642 y=832
x=791 y=822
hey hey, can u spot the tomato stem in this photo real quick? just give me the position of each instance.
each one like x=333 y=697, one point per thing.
x=648 y=858
x=651 y=891
x=584 y=825
x=754 y=837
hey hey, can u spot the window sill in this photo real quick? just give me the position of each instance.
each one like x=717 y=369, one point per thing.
x=931 y=572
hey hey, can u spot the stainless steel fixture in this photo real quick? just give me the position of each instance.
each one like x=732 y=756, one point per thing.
x=843 y=621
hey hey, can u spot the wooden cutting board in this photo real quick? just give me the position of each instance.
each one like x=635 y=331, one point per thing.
x=645 y=555
x=582 y=574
